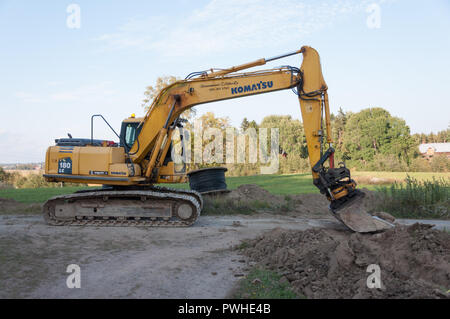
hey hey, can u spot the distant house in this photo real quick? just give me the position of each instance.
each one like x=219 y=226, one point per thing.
x=431 y=149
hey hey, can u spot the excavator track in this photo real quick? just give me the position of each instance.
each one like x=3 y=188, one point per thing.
x=150 y=207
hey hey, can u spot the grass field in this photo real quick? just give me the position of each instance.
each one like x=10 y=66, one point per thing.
x=276 y=184
x=35 y=195
x=400 y=176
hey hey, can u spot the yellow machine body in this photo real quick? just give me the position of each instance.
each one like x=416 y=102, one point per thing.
x=144 y=160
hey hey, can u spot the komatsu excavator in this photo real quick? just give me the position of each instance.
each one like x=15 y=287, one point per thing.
x=141 y=159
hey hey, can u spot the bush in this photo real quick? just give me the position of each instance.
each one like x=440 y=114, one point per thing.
x=427 y=199
x=386 y=163
x=420 y=165
x=440 y=163
x=34 y=181
x=294 y=164
x=8 y=180
x=3 y=174
x=16 y=180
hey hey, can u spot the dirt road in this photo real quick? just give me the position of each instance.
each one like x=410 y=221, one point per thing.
x=131 y=262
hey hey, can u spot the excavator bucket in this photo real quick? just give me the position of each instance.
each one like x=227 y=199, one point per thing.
x=355 y=216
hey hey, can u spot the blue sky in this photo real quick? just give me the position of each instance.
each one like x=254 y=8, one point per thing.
x=54 y=78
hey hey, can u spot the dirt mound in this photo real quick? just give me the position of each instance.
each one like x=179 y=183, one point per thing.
x=7 y=203
x=10 y=206
x=250 y=192
x=322 y=263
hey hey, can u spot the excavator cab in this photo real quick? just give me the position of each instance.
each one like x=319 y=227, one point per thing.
x=129 y=132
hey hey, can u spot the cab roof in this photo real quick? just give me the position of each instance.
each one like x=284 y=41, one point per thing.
x=133 y=120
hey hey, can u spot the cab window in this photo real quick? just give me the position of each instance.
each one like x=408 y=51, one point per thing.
x=130 y=134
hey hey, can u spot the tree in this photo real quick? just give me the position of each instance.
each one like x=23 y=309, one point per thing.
x=401 y=143
x=440 y=163
x=3 y=175
x=209 y=120
x=245 y=124
x=253 y=124
x=151 y=92
x=338 y=123
x=374 y=131
x=440 y=137
x=291 y=133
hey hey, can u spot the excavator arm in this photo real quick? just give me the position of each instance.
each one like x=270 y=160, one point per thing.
x=221 y=85
x=308 y=82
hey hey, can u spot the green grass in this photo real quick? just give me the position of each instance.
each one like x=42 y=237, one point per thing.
x=276 y=184
x=261 y=284
x=35 y=195
x=302 y=183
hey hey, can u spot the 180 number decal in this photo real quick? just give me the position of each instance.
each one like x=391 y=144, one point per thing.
x=65 y=165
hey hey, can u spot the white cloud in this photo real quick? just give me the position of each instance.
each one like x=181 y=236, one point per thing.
x=230 y=25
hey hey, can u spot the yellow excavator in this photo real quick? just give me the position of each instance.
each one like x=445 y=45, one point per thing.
x=129 y=170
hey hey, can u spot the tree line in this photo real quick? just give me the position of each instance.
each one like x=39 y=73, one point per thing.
x=369 y=140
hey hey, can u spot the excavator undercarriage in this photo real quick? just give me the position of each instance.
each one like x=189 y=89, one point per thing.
x=150 y=206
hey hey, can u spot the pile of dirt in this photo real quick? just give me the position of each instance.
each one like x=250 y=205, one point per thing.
x=7 y=203
x=10 y=206
x=414 y=261
x=251 y=193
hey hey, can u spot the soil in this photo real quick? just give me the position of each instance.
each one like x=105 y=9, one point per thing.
x=414 y=261
x=249 y=193
x=9 y=206
x=6 y=203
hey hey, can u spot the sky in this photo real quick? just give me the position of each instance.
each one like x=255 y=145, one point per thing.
x=57 y=67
